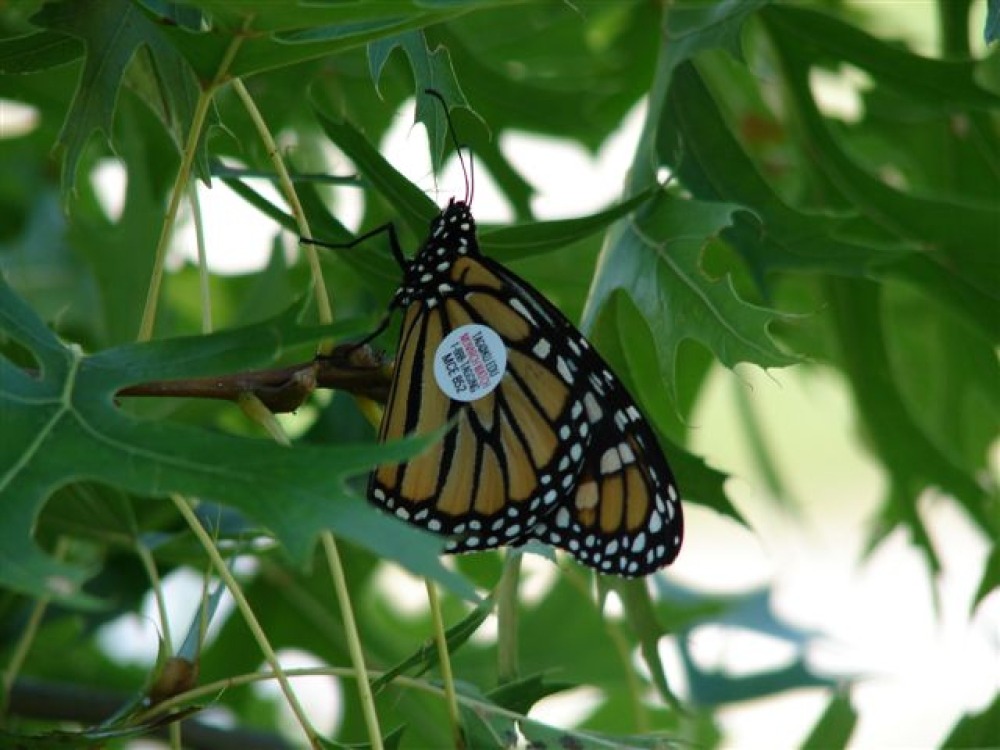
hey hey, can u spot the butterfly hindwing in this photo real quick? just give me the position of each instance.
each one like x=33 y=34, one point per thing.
x=623 y=514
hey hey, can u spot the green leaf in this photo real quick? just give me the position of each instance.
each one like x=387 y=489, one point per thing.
x=991 y=26
x=685 y=610
x=516 y=242
x=976 y=730
x=112 y=31
x=655 y=258
x=427 y=656
x=521 y=694
x=959 y=232
x=543 y=735
x=694 y=28
x=63 y=426
x=912 y=459
x=286 y=35
x=431 y=70
x=822 y=37
x=769 y=234
x=638 y=604
x=991 y=577
x=38 y=51
x=835 y=726
x=414 y=208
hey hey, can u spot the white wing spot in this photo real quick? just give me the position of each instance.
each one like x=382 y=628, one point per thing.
x=564 y=371
x=625 y=450
x=655 y=523
x=541 y=349
x=562 y=518
x=593 y=408
x=519 y=306
x=611 y=461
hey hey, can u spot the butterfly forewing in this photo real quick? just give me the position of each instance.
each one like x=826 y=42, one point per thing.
x=508 y=457
x=558 y=451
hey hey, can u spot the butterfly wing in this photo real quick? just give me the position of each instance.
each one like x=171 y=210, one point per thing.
x=507 y=458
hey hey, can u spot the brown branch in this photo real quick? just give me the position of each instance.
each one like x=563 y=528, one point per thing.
x=357 y=370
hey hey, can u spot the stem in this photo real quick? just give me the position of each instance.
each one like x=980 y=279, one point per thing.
x=184 y=508
x=288 y=188
x=155 y=582
x=27 y=638
x=353 y=640
x=444 y=658
x=180 y=182
x=507 y=661
x=203 y=276
x=257 y=411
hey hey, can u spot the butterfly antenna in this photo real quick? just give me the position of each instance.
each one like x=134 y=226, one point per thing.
x=469 y=184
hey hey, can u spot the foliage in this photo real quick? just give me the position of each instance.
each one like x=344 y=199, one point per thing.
x=786 y=235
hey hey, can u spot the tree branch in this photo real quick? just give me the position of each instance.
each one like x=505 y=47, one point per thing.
x=357 y=370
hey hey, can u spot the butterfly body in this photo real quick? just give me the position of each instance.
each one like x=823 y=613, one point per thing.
x=553 y=449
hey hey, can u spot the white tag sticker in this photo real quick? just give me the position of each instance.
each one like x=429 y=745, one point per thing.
x=470 y=362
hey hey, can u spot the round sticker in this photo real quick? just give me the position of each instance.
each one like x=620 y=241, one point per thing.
x=470 y=362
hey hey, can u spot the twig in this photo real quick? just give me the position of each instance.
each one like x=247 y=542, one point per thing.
x=356 y=370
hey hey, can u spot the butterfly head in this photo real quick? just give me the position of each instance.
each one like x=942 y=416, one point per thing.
x=454 y=221
x=427 y=276
x=452 y=234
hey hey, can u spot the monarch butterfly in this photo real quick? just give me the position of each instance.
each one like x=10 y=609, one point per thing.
x=544 y=441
